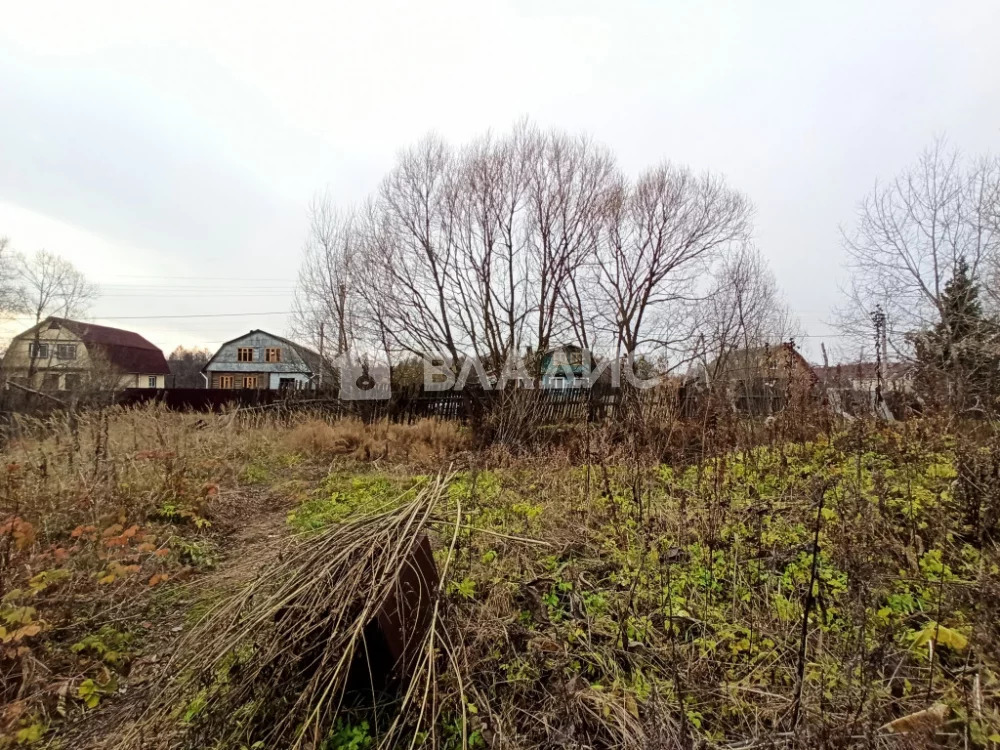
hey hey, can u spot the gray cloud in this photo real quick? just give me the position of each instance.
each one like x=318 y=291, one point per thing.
x=197 y=134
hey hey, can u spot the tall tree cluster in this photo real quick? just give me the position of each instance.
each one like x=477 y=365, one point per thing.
x=925 y=249
x=910 y=237
x=185 y=367
x=531 y=239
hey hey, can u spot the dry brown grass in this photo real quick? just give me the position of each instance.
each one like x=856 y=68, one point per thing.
x=421 y=442
x=98 y=511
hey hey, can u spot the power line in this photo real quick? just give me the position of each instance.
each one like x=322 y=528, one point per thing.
x=192 y=295
x=211 y=315
x=201 y=278
x=108 y=290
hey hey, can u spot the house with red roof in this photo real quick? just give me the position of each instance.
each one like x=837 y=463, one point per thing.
x=60 y=354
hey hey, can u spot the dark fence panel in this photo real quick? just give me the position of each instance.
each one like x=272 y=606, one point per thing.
x=199 y=399
x=412 y=403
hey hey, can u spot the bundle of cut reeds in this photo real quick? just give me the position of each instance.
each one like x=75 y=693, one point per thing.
x=279 y=661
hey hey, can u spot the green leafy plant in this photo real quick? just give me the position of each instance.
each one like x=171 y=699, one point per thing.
x=347 y=736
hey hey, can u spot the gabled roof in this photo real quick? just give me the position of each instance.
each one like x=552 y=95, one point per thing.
x=759 y=361
x=312 y=359
x=126 y=351
x=582 y=368
x=564 y=347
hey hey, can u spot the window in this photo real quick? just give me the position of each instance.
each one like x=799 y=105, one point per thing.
x=152 y=381
x=250 y=381
x=65 y=351
x=50 y=383
x=244 y=354
x=286 y=384
x=38 y=351
x=72 y=382
x=272 y=354
x=225 y=381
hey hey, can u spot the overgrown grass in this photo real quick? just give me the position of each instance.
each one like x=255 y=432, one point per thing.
x=765 y=590
x=100 y=511
x=811 y=593
x=815 y=590
x=343 y=495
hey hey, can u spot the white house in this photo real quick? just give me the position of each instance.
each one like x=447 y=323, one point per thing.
x=261 y=360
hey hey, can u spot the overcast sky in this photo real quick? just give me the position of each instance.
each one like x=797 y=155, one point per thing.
x=170 y=150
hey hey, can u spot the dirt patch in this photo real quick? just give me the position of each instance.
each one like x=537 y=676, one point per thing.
x=251 y=529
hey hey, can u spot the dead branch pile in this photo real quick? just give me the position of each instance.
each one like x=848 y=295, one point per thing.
x=278 y=662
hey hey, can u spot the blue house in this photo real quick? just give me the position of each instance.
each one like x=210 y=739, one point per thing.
x=566 y=366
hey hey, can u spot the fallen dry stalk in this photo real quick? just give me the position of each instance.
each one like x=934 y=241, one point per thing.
x=272 y=663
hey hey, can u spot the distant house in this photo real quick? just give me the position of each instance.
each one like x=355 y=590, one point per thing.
x=757 y=380
x=863 y=377
x=60 y=354
x=261 y=360
x=852 y=388
x=566 y=366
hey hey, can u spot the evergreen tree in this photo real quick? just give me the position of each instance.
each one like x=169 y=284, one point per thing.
x=957 y=358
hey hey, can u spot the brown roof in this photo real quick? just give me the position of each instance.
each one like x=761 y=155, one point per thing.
x=769 y=361
x=126 y=351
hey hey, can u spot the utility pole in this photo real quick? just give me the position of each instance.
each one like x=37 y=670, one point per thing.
x=885 y=350
x=322 y=362
x=341 y=314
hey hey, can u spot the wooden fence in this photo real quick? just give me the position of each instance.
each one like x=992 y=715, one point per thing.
x=410 y=404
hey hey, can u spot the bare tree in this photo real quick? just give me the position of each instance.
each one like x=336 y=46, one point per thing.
x=911 y=235
x=989 y=196
x=571 y=182
x=9 y=298
x=326 y=291
x=493 y=302
x=185 y=367
x=50 y=285
x=661 y=237
x=415 y=242
x=743 y=310
x=375 y=284
x=519 y=241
